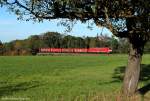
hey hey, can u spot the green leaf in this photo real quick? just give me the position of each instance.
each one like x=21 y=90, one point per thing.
x=93 y=7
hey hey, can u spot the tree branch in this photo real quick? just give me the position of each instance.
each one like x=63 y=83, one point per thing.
x=124 y=34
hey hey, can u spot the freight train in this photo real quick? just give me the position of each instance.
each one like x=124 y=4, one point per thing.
x=75 y=50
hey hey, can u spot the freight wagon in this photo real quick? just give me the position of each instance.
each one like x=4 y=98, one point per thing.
x=75 y=50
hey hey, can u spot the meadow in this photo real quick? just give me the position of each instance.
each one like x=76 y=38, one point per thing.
x=65 y=78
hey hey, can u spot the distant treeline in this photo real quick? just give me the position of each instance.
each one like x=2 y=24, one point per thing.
x=31 y=45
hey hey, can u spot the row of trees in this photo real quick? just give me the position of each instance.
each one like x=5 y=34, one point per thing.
x=56 y=40
x=31 y=45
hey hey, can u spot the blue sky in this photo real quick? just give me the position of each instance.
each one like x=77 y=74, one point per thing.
x=12 y=29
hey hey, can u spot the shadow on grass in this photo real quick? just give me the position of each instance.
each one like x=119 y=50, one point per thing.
x=9 y=89
x=144 y=76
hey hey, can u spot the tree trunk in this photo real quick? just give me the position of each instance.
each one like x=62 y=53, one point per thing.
x=132 y=72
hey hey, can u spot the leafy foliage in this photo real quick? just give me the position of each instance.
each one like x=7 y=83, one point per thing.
x=125 y=18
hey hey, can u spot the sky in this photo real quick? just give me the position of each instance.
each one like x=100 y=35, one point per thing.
x=13 y=29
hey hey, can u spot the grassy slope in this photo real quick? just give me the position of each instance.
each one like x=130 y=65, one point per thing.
x=51 y=78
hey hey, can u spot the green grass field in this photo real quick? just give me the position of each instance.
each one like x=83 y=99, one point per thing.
x=63 y=78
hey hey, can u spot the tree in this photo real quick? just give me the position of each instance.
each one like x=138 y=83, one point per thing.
x=1 y=48
x=18 y=47
x=33 y=44
x=123 y=45
x=52 y=39
x=87 y=42
x=92 y=42
x=104 y=41
x=125 y=18
x=9 y=48
x=114 y=44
